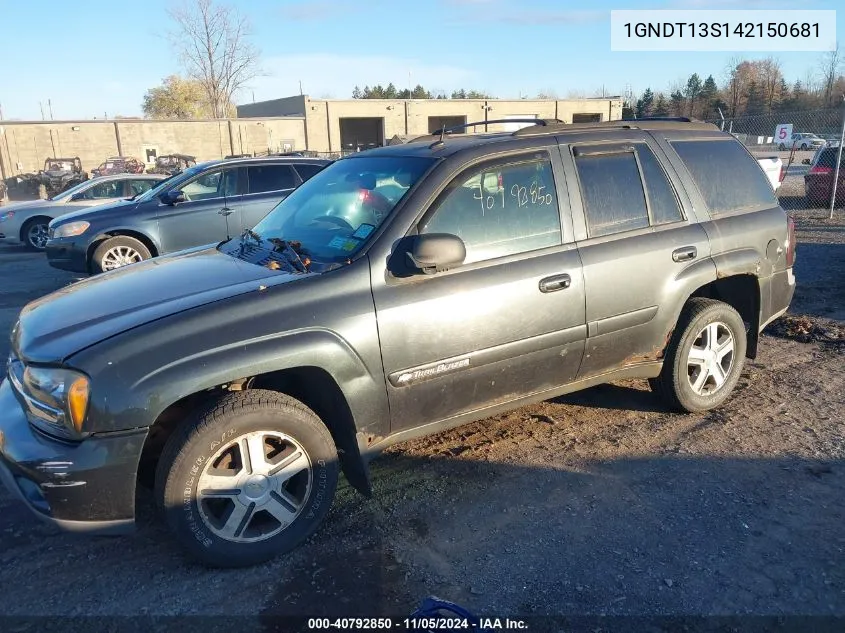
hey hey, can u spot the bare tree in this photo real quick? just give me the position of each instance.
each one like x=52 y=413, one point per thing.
x=830 y=64
x=213 y=43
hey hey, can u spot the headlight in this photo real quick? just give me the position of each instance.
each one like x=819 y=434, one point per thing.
x=63 y=391
x=7 y=216
x=70 y=229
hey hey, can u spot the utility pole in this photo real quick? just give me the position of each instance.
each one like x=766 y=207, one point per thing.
x=1 y=111
x=50 y=107
x=41 y=105
x=300 y=87
x=838 y=160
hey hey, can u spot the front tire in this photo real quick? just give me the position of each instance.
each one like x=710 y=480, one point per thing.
x=117 y=252
x=704 y=358
x=34 y=233
x=247 y=479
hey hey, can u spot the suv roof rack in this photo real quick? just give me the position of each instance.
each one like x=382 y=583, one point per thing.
x=679 y=119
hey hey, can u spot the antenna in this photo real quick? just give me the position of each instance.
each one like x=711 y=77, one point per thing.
x=442 y=132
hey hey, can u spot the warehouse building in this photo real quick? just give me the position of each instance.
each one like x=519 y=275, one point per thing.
x=342 y=125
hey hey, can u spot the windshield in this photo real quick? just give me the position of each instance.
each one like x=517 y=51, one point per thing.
x=167 y=182
x=334 y=212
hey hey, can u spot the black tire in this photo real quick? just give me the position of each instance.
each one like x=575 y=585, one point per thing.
x=31 y=228
x=673 y=384
x=124 y=243
x=190 y=453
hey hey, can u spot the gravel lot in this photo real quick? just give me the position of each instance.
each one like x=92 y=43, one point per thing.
x=599 y=502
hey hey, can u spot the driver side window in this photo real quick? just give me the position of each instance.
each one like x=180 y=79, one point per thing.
x=103 y=190
x=500 y=209
x=213 y=184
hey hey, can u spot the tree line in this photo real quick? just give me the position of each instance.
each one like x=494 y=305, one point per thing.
x=391 y=92
x=749 y=88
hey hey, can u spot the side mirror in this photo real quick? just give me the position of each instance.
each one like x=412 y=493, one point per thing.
x=436 y=252
x=806 y=161
x=172 y=196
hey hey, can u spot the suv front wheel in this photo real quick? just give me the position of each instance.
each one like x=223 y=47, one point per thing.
x=247 y=478
x=704 y=358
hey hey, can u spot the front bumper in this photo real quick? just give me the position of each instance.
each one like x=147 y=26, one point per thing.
x=68 y=253
x=82 y=487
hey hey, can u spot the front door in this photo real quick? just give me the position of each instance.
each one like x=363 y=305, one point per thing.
x=209 y=213
x=635 y=244
x=267 y=185
x=509 y=321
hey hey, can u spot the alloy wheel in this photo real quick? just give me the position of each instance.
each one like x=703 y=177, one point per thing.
x=120 y=256
x=37 y=235
x=710 y=359
x=254 y=487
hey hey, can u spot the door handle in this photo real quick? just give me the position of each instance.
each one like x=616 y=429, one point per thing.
x=225 y=211
x=555 y=282
x=684 y=254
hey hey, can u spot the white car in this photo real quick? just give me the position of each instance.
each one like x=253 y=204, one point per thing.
x=804 y=141
x=26 y=222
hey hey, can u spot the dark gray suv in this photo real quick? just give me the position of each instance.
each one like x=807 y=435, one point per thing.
x=399 y=292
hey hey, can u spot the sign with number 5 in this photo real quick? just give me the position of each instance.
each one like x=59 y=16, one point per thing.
x=783 y=133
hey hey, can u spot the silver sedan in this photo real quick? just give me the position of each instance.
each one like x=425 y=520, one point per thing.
x=26 y=222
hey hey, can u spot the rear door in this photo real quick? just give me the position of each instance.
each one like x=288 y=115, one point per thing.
x=267 y=184
x=208 y=214
x=635 y=242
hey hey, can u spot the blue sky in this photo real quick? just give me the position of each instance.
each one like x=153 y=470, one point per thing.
x=94 y=57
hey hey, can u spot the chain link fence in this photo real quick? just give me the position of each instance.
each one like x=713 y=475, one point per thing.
x=807 y=142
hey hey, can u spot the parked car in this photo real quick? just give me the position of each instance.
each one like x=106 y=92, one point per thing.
x=203 y=204
x=818 y=181
x=27 y=222
x=60 y=174
x=172 y=164
x=803 y=141
x=119 y=165
x=392 y=295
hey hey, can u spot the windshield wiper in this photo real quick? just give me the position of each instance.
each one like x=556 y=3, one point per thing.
x=293 y=253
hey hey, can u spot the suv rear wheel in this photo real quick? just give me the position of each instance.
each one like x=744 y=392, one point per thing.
x=247 y=479
x=704 y=358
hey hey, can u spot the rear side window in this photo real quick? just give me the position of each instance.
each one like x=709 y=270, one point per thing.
x=727 y=176
x=306 y=171
x=661 y=196
x=263 y=178
x=613 y=193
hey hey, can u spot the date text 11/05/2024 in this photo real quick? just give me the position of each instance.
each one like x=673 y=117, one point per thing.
x=417 y=624
x=722 y=29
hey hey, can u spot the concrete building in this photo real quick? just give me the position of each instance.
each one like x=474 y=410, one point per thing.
x=335 y=125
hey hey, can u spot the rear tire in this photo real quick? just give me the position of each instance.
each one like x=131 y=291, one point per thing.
x=704 y=358
x=283 y=467
x=34 y=233
x=117 y=252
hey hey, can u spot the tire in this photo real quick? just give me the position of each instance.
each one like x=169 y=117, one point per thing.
x=117 y=252
x=34 y=233
x=675 y=382
x=219 y=528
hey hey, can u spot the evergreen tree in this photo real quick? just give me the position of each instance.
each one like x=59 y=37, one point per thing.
x=645 y=104
x=661 y=108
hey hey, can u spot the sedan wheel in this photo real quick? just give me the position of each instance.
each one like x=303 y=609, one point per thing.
x=36 y=234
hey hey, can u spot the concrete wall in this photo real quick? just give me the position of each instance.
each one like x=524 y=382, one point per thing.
x=25 y=145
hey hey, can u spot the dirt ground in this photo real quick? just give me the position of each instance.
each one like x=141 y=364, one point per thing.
x=595 y=503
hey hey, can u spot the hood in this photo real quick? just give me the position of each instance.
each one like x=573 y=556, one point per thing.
x=67 y=321
x=29 y=204
x=87 y=213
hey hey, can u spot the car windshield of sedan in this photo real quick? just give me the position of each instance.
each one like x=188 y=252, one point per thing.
x=332 y=214
x=167 y=182
x=67 y=193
